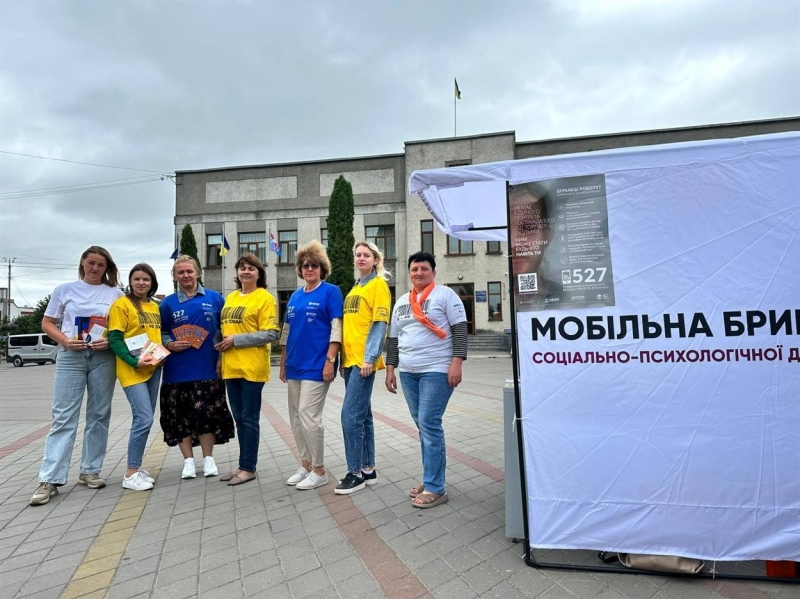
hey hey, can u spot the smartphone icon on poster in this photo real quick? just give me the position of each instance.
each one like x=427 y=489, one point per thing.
x=566 y=277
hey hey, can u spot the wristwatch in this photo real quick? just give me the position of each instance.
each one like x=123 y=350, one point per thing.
x=331 y=359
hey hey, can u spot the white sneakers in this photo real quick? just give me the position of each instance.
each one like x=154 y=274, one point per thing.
x=297 y=476
x=142 y=481
x=189 y=469
x=136 y=482
x=209 y=466
x=312 y=481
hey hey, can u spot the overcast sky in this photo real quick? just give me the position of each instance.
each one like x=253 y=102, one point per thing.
x=164 y=86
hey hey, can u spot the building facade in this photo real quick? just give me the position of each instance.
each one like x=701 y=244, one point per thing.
x=247 y=204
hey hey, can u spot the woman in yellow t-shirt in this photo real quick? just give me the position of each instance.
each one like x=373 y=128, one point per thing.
x=249 y=323
x=366 y=314
x=135 y=319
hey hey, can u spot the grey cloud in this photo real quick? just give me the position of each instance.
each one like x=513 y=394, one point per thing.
x=169 y=85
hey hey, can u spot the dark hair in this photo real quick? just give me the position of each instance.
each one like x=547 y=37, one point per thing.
x=252 y=260
x=111 y=276
x=313 y=251
x=541 y=198
x=422 y=257
x=148 y=270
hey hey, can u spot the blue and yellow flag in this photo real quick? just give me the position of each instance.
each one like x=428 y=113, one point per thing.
x=456 y=90
x=223 y=251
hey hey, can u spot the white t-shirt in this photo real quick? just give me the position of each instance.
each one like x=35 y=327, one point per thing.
x=78 y=299
x=420 y=349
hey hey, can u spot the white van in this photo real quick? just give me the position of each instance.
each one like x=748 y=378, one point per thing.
x=35 y=347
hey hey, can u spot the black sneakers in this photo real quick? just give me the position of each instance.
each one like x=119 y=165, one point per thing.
x=351 y=483
x=370 y=478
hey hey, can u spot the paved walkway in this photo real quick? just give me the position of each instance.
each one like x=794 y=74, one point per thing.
x=201 y=538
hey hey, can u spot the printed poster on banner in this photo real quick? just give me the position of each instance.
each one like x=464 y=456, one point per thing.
x=561 y=255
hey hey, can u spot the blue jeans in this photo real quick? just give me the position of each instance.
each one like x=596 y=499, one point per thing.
x=357 y=427
x=143 y=398
x=427 y=394
x=78 y=372
x=245 y=399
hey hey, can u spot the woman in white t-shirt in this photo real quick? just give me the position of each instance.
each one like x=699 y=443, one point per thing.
x=76 y=318
x=427 y=343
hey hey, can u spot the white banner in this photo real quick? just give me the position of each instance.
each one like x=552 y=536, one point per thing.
x=662 y=415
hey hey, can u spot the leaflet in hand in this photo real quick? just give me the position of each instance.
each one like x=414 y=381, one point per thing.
x=136 y=343
x=192 y=333
x=158 y=351
x=90 y=327
x=96 y=332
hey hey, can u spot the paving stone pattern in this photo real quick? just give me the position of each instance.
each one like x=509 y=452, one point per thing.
x=201 y=538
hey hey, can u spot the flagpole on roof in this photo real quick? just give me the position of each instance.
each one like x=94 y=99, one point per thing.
x=456 y=96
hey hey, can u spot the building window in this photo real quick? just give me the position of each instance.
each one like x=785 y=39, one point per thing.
x=323 y=237
x=495 y=297
x=493 y=247
x=283 y=300
x=288 y=242
x=255 y=243
x=458 y=247
x=426 y=233
x=213 y=246
x=383 y=237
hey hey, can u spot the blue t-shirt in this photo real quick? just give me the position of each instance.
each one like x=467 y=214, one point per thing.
x=309 y=316
x=203 y=311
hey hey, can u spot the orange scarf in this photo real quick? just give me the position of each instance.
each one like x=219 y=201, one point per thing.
x=416 y=310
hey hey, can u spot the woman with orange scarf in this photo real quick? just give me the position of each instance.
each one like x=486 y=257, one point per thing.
x=427 y=344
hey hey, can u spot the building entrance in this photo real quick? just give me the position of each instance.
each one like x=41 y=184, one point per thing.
x=466 y=291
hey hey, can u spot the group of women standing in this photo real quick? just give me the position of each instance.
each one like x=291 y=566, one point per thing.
x=211 y=342
x=427 y=343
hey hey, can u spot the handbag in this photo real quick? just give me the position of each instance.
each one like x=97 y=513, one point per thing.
x=657 y=563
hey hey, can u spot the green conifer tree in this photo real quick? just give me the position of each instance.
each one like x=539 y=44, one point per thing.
x=340 y=235
x=189 y=247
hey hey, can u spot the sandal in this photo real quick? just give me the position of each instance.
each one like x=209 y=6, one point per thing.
x=416 y=490
x=430 y=500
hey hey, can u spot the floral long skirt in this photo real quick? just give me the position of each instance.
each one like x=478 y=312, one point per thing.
x=195 y=408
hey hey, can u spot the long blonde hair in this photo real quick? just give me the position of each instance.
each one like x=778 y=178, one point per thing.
x=378 y=255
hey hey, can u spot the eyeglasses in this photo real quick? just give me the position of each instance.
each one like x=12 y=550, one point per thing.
x=310 y=266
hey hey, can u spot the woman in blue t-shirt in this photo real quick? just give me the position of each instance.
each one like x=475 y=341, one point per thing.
x=193 y=407
x=312 y=334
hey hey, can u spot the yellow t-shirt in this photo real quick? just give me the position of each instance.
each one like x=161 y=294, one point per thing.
x=363 y=306
x=249 y=313
x=126 y=318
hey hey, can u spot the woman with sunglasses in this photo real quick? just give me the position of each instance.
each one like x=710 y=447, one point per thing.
x=312 y=334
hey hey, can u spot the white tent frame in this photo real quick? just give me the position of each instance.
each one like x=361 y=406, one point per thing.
x=457 y=199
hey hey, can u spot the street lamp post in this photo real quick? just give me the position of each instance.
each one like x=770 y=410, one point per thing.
x=7 y=301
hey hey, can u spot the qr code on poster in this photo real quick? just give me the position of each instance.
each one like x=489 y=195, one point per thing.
x=528 y=283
